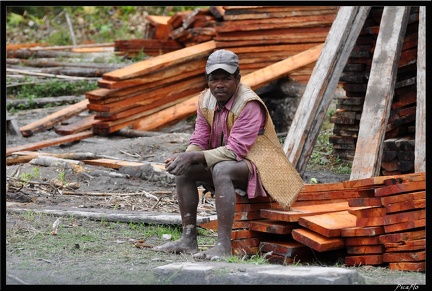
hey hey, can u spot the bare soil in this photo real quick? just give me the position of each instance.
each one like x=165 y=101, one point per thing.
x=104 y=189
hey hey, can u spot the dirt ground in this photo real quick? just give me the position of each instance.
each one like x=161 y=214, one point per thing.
x=83 y=189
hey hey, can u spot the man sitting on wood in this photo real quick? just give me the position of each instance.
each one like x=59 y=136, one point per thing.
x=233 y=149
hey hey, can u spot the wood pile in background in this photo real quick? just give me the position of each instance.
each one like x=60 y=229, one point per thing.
x=259 y=35
x=169 y=33
x=136 y=91
x=374 y=221
x=262 y=35
x=398 y=154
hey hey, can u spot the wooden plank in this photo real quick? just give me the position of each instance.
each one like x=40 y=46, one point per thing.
x=408 y=266
x=405 y=246
x=405 y=205
x=242 y=243
x=365 y=250
x=272 y=226
x=48 y=143
x=400 y=188
x=168 y=116
x=316 y=241
x=370 y=221
x=274 y=71
x=404 y=257
x=362 y=231
x=365 y=201
x=113 y=164
x=376 y=111
x=330 y=195
x=362 y=241
x=294 y=214
x=162 y=61
x=420 y=133
x=378 y=181
x=248 y=215
x=363 y=260
x=252 y=15
x=255 y=206
x=246 y=233
x=78 y=126
x=169 y=75
x=288 y=248
x=368 y=212
x=402 y=236
x=406 y=225
x=329 y=224
x=403 y=197
x=319 y=92
x=276 y=23
x=392 y=218
x=52 y=119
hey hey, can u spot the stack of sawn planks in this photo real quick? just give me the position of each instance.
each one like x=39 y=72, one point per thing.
x=169 y=33
x=398 y=153
x=129 y=95
x=371 y=221
x=262 y=35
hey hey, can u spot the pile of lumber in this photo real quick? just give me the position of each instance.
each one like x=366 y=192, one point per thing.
x=355 y=77
x=169 y=33
x=259 y=35
x=262 y=35
x=129 y=95
x=373 y=221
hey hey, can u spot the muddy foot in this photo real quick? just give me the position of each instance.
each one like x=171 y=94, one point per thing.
x=216 y=253
x=177 y=247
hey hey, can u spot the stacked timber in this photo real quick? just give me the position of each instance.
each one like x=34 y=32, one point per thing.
x=376 y=221
x=400 y=127
x=391 y=229
x=131 y=94
x=262 y=35
x=169 y=33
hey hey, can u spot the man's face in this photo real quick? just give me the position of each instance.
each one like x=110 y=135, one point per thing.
x=222 y=85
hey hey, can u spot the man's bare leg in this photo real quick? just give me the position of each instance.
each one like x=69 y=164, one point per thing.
x=187 y=194
x=223 y=177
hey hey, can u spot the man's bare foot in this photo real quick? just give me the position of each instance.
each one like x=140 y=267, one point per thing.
x=216 y=253
x=178 y=246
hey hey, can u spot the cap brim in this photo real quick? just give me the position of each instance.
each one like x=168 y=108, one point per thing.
x=225 y=67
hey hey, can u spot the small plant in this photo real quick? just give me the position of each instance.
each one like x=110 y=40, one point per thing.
x=35 y=173
x=61 y=177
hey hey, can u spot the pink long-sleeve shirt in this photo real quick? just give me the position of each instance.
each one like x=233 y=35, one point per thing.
x=243 y=135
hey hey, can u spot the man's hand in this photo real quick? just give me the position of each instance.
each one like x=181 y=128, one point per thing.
x=177 y=165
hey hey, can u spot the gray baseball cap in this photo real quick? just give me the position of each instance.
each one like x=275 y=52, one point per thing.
x=222 y=59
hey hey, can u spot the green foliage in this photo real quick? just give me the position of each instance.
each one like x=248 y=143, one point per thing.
x=50 y=88
x=322 y=156
x=100 y=24
x=15 y=20
x=35 y=173
x=61 y=177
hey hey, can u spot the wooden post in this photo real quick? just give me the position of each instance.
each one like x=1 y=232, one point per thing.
x=321 y=87
x=420 y=133
x=379 y=93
